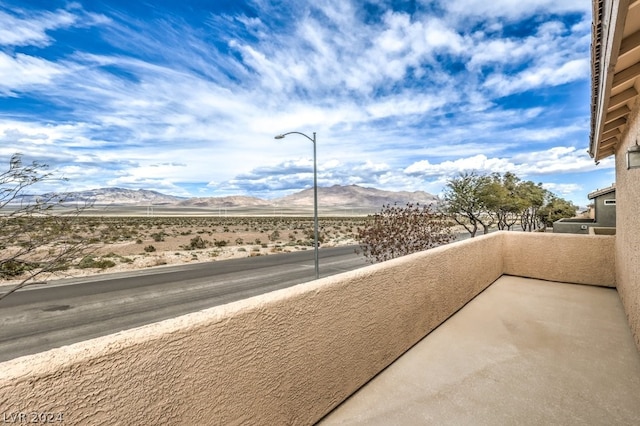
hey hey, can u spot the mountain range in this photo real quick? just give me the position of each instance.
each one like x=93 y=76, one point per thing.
x=334 y=196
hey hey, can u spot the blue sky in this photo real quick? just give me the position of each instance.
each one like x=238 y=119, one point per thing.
x=186 y=97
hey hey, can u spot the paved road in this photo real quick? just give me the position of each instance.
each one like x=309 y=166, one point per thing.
x=72 y=310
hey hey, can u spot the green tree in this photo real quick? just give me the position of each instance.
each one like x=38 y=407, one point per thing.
x=534 y=198
x=556 y=208
x=490 y=196
x=481 y=200
x=465 y=201
x=400 y=230
x=36 y=232
x=502 y=199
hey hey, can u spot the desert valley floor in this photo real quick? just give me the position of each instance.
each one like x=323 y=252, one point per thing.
x=123 y=243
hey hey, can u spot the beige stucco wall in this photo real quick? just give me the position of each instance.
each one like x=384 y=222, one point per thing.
x=290 y=356
x=628 y=227
x=287 y=357
x=579 y=259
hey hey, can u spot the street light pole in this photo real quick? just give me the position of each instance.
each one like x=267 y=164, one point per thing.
x=315 y=197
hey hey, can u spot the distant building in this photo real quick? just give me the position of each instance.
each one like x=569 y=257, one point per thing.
x=604 y=222
x=604 y=201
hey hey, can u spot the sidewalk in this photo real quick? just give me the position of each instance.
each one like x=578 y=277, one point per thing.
x=523 y=352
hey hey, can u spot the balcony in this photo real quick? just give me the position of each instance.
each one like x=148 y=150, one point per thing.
x=522 y=352
x=520 y=327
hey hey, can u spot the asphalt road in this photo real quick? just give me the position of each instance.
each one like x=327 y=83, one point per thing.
x=39 y=318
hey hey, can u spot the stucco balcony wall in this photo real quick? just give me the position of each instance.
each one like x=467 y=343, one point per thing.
x=566 y=258
x=286 y=357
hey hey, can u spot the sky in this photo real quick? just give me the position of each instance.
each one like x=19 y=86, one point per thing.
x=186 y=97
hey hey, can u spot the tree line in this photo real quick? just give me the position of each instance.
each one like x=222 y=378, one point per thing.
x=481 y=201
x=471 y=200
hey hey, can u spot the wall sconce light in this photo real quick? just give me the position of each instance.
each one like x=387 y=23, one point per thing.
x=633 y=156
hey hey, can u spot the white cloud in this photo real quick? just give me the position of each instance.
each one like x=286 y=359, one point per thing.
x=551 y=56
x=563 y=189
x=15 y=31
x=546 y=134
x=402 y=104
x=556 y=160
x=478 y=163
x=27 y=28
x=494 y=10
x=293 y=175
x=22 y=72
x=499 y=51
x=529 y=79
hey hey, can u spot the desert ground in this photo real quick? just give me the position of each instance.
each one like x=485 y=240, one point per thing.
x=123 y=243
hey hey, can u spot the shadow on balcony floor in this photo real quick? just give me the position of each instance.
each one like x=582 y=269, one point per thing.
x=523 y=352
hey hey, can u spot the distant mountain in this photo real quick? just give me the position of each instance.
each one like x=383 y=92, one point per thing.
x=120 y=196
x=354 y=196
x=231 y=201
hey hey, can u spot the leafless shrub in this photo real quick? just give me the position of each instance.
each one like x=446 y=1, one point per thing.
x=400 y=230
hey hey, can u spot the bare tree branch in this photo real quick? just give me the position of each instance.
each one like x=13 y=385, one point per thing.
x=36 y=234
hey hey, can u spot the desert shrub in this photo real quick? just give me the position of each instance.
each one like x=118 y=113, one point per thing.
x=92 y=262
x=221 y=243
x=274 y=235
x=397 y=231
x=121 y=259
x=149 y=248
x=196 y=243
x=14 y=268
x=60 y=267
x=158 y=236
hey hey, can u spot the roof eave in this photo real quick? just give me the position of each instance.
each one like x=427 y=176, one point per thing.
x=606 y=40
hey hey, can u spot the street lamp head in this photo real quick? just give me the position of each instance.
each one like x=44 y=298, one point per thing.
x=279 y=137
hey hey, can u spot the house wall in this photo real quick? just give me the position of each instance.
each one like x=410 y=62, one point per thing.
x=573 y=226
x=605 y=214
x=286 y=357
x=628 y=227
x=605 y=217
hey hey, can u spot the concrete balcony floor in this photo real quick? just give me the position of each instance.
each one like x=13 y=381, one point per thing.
x=524 y=351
